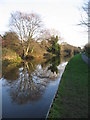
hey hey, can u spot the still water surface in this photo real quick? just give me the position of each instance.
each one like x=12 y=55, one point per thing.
x=28 y=88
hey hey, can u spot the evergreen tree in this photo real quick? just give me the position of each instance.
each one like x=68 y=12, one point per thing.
x=55 y=48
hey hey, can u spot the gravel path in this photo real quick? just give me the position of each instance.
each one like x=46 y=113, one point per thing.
x=85 y=59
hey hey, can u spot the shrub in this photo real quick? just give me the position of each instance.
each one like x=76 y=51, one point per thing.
x=87 y=48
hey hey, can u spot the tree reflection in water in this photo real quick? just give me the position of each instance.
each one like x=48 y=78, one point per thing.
x=55 y=62
x=52 y=64
x=30 y=80
x=10 y=72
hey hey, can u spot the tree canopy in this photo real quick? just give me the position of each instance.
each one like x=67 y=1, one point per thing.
x=27 y=26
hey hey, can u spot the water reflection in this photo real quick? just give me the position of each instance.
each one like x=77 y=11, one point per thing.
x=52 y=63
x=27 y=81
x=10 y=72
x=30 y=82
x=55 y=61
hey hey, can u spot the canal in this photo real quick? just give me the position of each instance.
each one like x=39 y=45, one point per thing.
x=29 y=88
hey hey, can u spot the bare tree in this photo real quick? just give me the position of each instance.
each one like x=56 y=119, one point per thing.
x=85 y=17
x=46 y=34
x=27 y=26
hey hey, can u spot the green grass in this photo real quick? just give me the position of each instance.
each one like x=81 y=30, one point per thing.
x=72 y=96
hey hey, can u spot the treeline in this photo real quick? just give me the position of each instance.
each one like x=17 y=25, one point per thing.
x=12 y=48
x=28 y=38
x=68 y=49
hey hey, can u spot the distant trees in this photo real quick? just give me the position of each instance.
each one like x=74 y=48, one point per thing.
x=27 y=26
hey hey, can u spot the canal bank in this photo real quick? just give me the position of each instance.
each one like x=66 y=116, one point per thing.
x=72 y=96
x=63 y=65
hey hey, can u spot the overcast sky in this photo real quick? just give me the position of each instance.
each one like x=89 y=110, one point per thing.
x=62 y=15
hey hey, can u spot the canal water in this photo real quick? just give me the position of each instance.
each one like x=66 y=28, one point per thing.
x=28 y=88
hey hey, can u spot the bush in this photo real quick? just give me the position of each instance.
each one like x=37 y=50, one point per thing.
x=87 y=48
x=8 y=54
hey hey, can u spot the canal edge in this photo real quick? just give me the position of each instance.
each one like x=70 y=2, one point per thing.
x=55 y=94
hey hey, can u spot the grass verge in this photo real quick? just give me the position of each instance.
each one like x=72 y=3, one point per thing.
x=72 y=96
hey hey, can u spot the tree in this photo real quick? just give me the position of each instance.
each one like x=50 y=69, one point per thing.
x=27 y=26
x=55 y=47
x=85 y=21
x=11 y=40
x=85 y=17
x=87 y=49
x=11 y=35
x=46 y=34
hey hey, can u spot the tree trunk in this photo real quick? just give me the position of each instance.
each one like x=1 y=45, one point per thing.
x=26 y=50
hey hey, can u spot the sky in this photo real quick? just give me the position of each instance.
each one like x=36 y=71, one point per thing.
x=62 y=15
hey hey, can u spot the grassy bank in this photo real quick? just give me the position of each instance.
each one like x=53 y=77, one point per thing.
x=72 y=97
